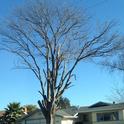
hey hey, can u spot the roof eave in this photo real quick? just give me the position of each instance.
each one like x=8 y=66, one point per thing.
x=100 y=109
x=71 y=117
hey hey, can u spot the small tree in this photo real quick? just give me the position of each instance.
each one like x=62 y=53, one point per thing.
x=64 y=103
x=51 y=41
x=30 y=108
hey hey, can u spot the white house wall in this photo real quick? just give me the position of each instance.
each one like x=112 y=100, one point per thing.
x=67 y=121
x=123 y=113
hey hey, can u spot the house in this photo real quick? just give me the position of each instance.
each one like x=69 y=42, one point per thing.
x=101 y=113
x=98 y=113
x=36 y=117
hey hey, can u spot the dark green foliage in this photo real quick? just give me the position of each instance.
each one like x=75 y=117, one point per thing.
x=64 y=103
x=30 y=108
x=13 y=112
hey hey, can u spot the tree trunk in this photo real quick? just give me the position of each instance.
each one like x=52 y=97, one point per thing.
x=50 y=119
x=49 y=115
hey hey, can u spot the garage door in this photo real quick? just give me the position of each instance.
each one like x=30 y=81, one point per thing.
x=36 y=121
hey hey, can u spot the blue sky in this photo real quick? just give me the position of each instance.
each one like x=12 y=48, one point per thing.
x=92 y=84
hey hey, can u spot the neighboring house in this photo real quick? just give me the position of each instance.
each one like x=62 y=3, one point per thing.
x=101 y=113
x=36 y=117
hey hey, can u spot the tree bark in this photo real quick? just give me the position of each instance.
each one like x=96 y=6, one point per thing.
x=49 y=114
x=50 y=119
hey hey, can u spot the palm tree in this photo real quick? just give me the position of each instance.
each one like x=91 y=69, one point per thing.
x=13 y=112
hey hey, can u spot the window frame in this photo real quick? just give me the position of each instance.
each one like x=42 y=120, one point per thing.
x=107 y=116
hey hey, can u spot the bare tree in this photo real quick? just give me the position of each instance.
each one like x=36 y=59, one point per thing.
x=117 y=93
x=116 y=65
x=50 y=42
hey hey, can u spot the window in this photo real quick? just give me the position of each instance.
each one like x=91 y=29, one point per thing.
x=110 y=116
x=100 y=117
x=85 y=118
x=79 y=122
x=107 y=117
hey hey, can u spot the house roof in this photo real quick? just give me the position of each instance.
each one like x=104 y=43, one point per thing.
x=101 y=106
x=1 y=113
x=71 y=110
x=61 y=113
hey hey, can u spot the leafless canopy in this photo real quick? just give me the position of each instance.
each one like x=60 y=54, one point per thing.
x=117 y=93
x=51 y=42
